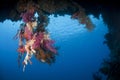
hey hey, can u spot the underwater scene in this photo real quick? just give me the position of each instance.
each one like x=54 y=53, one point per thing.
x=80 y=52
x=59 y=40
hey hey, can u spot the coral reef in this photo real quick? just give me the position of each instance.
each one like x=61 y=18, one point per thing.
x=78 y=9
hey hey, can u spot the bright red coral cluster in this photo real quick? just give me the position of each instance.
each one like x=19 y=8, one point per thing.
x=34 y=40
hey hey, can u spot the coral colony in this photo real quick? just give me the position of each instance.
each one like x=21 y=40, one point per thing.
x=32 y=32
x=34 y=39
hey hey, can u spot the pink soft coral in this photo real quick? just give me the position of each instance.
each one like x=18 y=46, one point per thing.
x=38 y=38
x=27 y=16
x=49 y=45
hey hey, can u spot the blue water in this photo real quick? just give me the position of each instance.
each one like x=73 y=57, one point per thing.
x=80 y=52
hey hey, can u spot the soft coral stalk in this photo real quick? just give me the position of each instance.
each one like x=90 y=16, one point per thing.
x=28 y=33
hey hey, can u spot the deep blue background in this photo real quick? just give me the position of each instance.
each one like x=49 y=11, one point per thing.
x=80 y=54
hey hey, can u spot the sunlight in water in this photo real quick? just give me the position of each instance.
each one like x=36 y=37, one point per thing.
x=65 y=27
x=79 y=48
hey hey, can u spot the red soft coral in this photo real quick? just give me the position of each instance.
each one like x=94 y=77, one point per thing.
x=21 y=49
x=28 y=34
